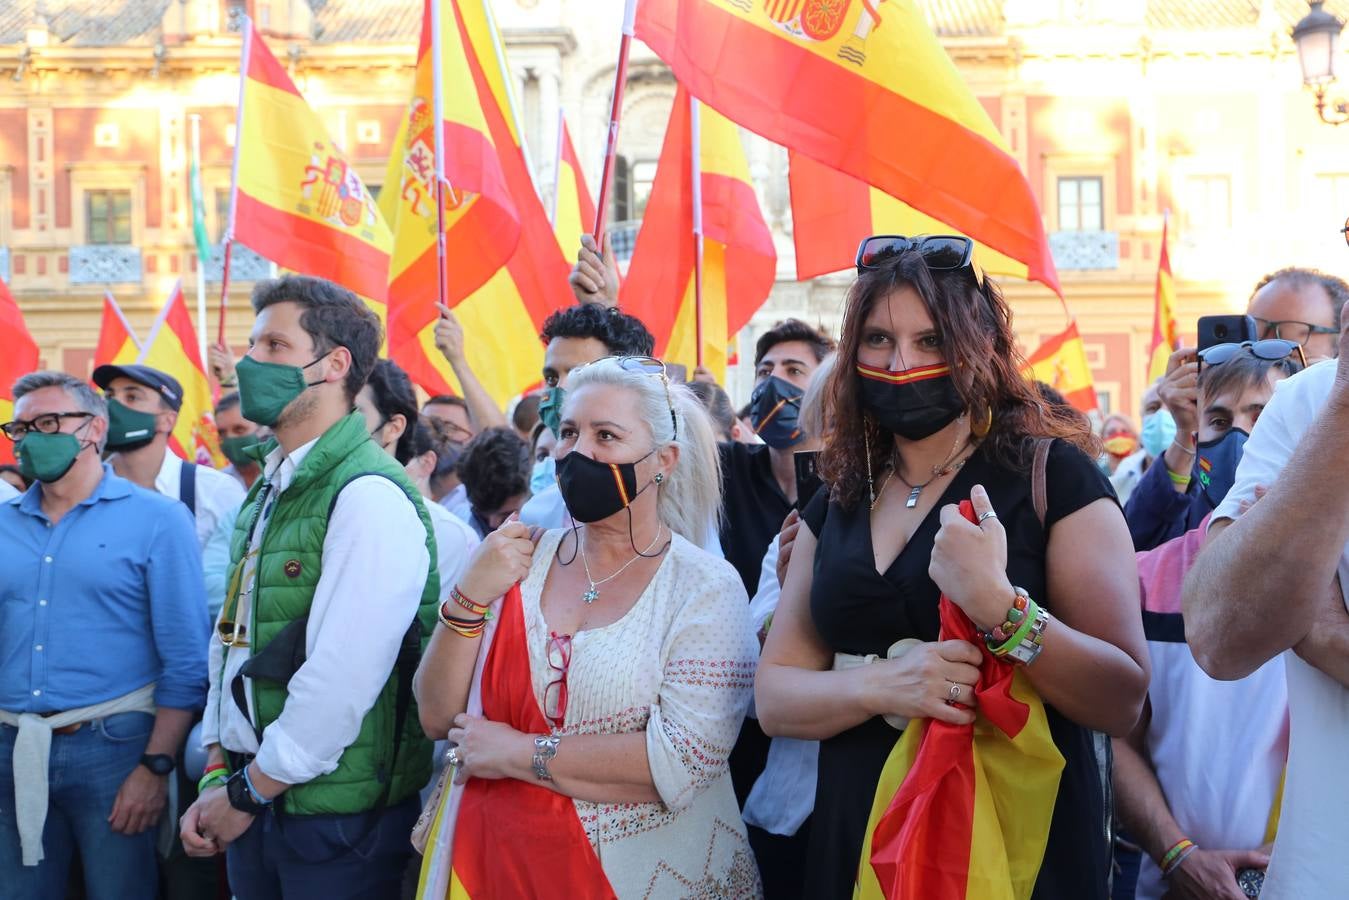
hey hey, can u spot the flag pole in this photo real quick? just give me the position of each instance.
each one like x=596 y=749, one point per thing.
x=194 y=190
x=615 y=113
x=158 y=323
x=438 y=105
x=121 y=317
x=557 y=164
x=696 y=142
x=499 y=51
x=228 y=237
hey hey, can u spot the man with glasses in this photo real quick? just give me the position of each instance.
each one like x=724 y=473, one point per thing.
x=1302 y=306
x=103 y=646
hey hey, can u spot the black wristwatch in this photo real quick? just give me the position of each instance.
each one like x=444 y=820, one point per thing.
x=236 y=789
x=159 y=763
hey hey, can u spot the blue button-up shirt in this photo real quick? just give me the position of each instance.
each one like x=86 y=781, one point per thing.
x=103 y=602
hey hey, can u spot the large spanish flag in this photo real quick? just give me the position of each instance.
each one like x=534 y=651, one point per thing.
x=18 y=357
x=296 y=200
x=739 y=260
x=117 y=341
x=1061 y=362
x=171 y=347
x=962 y=812
x=573 y=208
x=864 y=87
x=1165 y=336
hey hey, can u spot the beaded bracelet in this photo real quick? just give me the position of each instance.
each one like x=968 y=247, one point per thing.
x=1173 y=857
x=458 y=597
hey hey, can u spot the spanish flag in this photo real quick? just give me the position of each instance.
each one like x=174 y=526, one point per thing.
x=573 y=208
x=172 y=348
x=1061 y=363
x=117 y=341
x=295 y=199
x=832 y=212
x=739 y=260
x=1165 y=337
x=18 y=357
x=863 y=87
x=962 y=812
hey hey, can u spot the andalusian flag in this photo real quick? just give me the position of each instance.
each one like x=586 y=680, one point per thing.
x=573 y=208
x=863 y=87
x=199 y=235
x=832 y=212
x=295 y=199
x=117 y=341
x=18 y=357
x=1061 y=363
x=962 y=812
x=1165 y=336
x=739 y=260
x=172 y=348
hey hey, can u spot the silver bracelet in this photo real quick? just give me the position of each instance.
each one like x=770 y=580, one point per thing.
x=1181 y=447
x=545 y=748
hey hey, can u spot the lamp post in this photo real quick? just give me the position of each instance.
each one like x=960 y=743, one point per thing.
x=1317 y=38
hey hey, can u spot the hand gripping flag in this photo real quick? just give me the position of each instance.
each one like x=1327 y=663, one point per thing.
x=172 y=348
x=864 y=87
x=962 y=812
x=1061 y=362
x=18 y=357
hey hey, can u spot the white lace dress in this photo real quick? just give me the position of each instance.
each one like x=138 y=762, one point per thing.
x=679 y=666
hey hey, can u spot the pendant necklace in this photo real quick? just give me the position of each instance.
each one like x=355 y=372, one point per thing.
x=593 y=593
x=946 y=468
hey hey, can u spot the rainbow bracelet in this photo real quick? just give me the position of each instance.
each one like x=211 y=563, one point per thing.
x=1172 y=858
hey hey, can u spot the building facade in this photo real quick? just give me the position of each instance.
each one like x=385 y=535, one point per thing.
x=1118 y=111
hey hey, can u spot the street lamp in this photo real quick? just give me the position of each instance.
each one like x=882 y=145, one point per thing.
x=1317 y=38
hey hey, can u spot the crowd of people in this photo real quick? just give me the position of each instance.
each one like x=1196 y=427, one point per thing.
x=629 y=638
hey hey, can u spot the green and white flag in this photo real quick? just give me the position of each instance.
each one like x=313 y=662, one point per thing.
x=199 y=215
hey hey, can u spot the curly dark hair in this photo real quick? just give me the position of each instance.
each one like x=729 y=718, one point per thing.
x=494 y=468
x=393 y=394
x=974 y=325
x=333 y=317
x=620 y=333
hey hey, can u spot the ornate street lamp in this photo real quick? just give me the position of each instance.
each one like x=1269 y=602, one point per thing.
x=1317 y=38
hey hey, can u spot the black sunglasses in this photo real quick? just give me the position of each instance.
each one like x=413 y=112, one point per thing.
x=1271 y=349
x=939 y=251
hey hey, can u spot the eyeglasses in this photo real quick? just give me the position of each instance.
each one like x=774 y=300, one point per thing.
x=647 y=365
x=1272 y=349
x=555 y=692
x=939 y=251
x=1291 y=330
x=48 y=423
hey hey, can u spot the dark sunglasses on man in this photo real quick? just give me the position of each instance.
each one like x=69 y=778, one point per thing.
x=1271 y=350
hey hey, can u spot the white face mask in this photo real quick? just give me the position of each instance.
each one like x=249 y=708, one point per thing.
x=543 y=476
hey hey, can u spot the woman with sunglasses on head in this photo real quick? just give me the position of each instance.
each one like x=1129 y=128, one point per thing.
x=930 y=408
x=618 y=673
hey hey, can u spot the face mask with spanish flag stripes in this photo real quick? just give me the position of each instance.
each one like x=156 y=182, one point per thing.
x=912 y=403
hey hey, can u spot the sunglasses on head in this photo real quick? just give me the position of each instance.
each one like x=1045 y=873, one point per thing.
x=939 y=251
x=647 y=365
x=1271 y=350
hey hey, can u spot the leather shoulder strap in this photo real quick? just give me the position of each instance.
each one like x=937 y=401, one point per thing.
x=1039 y=498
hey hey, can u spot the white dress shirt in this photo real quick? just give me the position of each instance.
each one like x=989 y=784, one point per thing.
x=7 y=491
x=374 y=565
x=455 y=542
x=218 y=495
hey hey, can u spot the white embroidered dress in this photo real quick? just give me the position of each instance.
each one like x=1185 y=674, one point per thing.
x=679 y=666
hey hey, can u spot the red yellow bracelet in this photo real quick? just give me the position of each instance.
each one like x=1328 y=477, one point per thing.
x=1172 y=858
x=458 y=597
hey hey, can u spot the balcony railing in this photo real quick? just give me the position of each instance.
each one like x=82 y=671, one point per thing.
x=105 y=264
x=1084 y=250
x=245 y=265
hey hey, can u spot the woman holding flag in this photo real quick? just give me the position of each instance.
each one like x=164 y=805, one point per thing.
x=932 y=409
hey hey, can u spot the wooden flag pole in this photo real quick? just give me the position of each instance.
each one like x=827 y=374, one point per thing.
x=228 y=237
x=615 y=113
x=695 y=155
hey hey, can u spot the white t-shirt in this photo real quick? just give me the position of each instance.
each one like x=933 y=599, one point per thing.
x=455 y=541
x=1309 y=858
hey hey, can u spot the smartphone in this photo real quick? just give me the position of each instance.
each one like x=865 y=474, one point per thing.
x=808 y=481
x=678 y=373
x=1225 y=330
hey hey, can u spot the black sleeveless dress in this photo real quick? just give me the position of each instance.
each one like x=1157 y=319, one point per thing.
x=857 y=610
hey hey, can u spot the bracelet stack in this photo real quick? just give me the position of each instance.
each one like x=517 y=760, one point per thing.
x=1182 y=480
x=1020 y=637
x=452 y=615
x=1172 y=858
x=214 y=775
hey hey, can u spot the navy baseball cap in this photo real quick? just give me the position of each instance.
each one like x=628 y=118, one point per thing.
x=165 y=385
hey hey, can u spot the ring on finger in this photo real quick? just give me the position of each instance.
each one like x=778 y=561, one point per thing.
x=453 y=757
x=953 y=693
x=987 y=514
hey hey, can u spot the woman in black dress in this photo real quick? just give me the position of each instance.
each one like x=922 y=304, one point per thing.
x=931 y=408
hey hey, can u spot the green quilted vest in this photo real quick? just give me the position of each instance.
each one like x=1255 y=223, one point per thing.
x=289 y=565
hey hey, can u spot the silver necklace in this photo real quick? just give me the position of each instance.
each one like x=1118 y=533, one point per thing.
x=593 y=594
x=946 y=468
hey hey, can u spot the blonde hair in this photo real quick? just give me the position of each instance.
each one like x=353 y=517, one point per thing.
x=690 y=497
x=814 y=415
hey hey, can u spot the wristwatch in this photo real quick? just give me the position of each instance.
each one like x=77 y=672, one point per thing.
x=545 y=748
x=240 y=795
x=159 y=763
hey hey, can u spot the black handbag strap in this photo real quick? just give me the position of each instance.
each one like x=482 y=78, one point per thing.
x=187 y=486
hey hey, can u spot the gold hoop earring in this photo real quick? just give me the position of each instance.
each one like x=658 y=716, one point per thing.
x=981 y=431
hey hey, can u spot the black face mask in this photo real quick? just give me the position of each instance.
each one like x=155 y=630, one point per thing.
x=775 y=408
x=1215 y=465
x=594 y=490
x=914 y=403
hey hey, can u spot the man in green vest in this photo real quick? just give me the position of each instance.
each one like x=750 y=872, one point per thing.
x=315 y=751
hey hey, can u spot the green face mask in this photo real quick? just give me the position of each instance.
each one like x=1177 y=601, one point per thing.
x=266 y=389
x=128 y=429
x=235 y=449
x=47 y=457
x=550 y=409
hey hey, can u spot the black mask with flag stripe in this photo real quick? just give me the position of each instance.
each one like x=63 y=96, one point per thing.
x=595 y=490
x=775 y=410
x=914 y=403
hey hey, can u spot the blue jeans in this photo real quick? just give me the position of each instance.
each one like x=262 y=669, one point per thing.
x=86 y=770
x=360 y=856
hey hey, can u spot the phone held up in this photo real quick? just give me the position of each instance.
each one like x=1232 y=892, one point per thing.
x=1214 y=330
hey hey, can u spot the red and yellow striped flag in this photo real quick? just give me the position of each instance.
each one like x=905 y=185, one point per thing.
x=117 y=341
x=18 y=357
x=172 y=348
x=1165 y=336
x=1061 y=363
x=296 y=200
x=739 y=260
x=865 y=88
x=573 y=208
x=962 y=812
